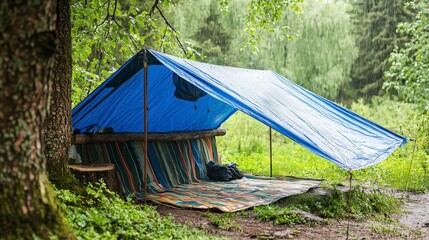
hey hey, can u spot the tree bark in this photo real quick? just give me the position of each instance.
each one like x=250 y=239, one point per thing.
x=28 y=208
x=57 y=135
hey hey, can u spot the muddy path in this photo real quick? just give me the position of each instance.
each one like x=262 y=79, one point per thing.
x=413 y=224
x=416 y=215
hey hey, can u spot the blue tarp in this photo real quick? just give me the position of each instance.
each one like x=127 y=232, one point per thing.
x=325 y=128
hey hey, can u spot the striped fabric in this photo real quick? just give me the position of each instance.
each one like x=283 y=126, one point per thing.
x=177 y=175
x=235 y=195
x=171 y=163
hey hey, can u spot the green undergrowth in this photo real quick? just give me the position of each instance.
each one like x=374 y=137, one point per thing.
x=316 y=209
x=335 y=204
x=363 y=204
x=101 y=214
x=280 y=215
x=247 y=144
x=224 y=221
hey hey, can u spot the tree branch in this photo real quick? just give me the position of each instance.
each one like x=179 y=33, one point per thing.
x=174 y=30
x=161 y=45
x=155 y=4
x=114 y=9
x=107 y=16
x=125 y=30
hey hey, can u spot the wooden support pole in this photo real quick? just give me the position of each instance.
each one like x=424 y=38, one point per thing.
x=145 y=123
x=271 y=152
x=349 y=210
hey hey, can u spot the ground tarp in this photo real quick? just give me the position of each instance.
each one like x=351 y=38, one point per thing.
x=235 y=195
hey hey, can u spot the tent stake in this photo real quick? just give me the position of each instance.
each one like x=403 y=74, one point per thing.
x=145 y=124
x=271 y=152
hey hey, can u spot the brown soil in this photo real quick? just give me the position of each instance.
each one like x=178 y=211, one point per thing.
x=417 y=213
x=412 y=225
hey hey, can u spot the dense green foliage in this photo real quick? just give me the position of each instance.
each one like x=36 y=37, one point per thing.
x=409 y=71
x=321 y=57
x=267 y=16
x=375 y=26
x=101 y=214
x=213 y=39
x=107 y=33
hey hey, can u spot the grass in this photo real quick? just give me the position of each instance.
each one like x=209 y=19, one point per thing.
x=387 y=230
x=364 y=204
x=101 y=214
x=280 y=215
x=247 y=144
x=334 y=204
x=224 y=221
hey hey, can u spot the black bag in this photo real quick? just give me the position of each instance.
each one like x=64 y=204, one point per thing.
x=225 y=172
x=236 y=174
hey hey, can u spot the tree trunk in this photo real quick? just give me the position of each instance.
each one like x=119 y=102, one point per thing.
x=28 y=208
x=58 y=123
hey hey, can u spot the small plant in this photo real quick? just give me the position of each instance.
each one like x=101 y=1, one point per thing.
x=224 y=221
x=279 y=215
x=387 y=231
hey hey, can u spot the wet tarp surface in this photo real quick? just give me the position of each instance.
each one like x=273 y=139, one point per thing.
x=323 y=127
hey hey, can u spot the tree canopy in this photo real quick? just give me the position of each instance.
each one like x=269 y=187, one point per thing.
x=375 y=28
x=409 y=71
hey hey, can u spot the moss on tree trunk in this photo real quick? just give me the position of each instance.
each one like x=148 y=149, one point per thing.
x=28 y=207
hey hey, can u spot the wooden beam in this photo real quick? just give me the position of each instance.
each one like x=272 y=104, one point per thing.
x=126 y=137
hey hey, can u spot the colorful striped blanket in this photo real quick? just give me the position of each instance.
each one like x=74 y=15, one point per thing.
x=177 y=175
x=235 y=195
x=171 y=163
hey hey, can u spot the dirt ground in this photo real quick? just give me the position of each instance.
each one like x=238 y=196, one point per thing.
x=417 y=213
x=414 y=224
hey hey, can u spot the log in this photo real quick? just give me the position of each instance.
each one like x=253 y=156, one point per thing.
x=126 y=137
x=94 y=172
